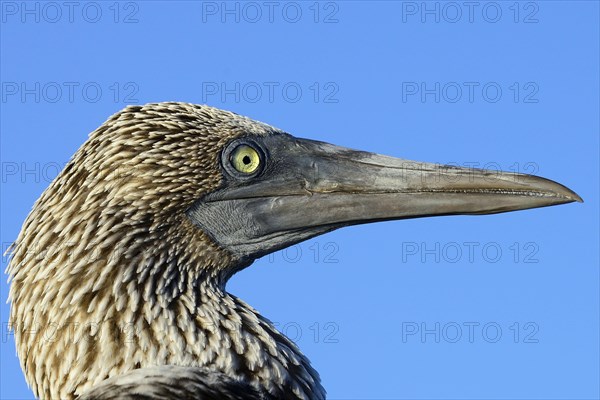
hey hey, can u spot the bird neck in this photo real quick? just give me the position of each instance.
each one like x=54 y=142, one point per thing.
x=147 y=302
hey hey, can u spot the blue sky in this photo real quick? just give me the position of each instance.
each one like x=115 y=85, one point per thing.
x=503 y=306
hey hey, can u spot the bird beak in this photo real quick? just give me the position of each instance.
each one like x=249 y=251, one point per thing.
x=308 y=188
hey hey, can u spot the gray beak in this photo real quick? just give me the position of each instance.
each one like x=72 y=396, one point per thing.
x=308 y=188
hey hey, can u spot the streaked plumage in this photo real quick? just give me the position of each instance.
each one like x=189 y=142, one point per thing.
x=126 y=255
x=171 y=382
x=108 y=253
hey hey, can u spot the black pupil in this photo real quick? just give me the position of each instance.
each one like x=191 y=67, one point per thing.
x=246 y=160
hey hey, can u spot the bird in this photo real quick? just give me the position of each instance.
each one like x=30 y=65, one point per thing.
x=118 y=275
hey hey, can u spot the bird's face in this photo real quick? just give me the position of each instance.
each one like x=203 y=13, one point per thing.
x=249 y=189
x=245 y=189
x=277 y=190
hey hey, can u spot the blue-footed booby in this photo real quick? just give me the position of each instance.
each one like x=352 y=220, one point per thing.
x=126 y=255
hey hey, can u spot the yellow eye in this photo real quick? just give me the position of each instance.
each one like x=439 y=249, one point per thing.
x=245 y=159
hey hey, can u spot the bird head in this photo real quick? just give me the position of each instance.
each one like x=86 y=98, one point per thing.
x=219 y=190
x=166 y=198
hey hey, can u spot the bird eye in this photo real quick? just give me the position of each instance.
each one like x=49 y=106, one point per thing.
x=245 y=159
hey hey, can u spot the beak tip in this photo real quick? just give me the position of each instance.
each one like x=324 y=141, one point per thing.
x=577 y=198
x=555 y=189
x=570 y=195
